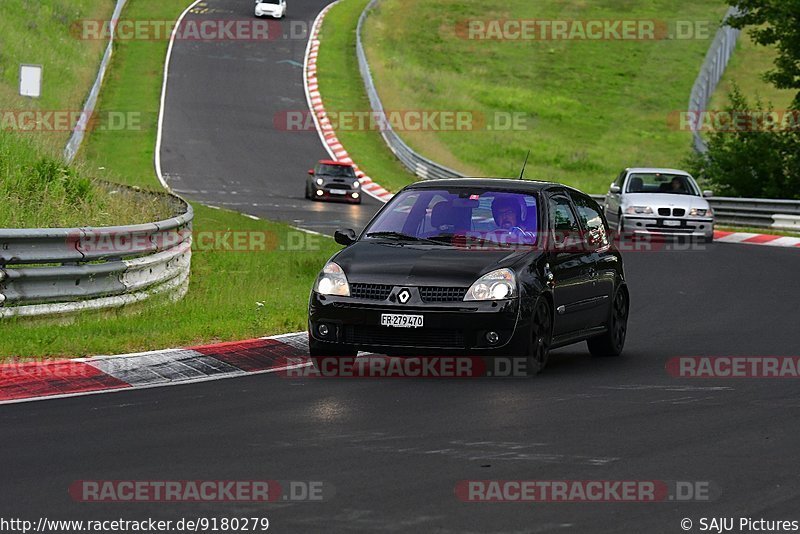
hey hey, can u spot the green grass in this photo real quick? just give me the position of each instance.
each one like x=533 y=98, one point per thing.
x=592 y=107
x=36 y=189
x=38 y=32
x=343 y=90
x=745 y=68
x=232 y=295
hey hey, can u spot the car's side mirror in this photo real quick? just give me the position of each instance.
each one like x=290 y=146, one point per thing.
x=345 y=237
x=311 y=172
x=708 y=193
x=614 y=189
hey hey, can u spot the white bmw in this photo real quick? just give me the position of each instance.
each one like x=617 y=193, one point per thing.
x=271 y=8
x=655 y=201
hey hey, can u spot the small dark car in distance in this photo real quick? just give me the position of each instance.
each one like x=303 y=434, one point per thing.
x=474 y=266
x=333 y=180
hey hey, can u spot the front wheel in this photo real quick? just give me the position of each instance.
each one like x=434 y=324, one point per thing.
x=541 y=339
x=613 y=340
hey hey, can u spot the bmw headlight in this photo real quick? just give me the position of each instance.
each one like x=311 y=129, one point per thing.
x=320 y=181
x=639 y=210
x=700 y=212
x=332 y=281
x=496 y=285
x=356 y=184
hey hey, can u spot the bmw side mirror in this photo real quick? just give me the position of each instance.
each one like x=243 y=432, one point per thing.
x=345 y=237
x=311 y=172
x=708 y=193
x=614 y=189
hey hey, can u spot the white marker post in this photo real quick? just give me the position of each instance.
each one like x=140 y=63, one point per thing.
x=30 y=80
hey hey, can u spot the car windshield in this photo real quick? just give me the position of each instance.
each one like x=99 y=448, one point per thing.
x=458 y=216
x=335 y=170
x=273 y=2
x=655 y=182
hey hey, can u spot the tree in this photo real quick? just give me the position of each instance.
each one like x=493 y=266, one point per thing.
x=774 y=22
x=749 y=156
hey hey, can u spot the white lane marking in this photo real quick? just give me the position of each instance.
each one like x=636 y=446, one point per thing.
x=159 y=130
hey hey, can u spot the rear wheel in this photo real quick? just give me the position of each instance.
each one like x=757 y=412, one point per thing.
x=541 y=338
x=613 y=340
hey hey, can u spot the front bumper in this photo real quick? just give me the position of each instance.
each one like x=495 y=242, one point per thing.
x=669 y=226
x=330 y=192
x=449 y=327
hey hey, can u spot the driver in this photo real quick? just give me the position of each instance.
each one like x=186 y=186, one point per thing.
x=507 y=213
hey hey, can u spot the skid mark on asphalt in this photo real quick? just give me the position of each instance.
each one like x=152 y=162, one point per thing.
x=455 y=449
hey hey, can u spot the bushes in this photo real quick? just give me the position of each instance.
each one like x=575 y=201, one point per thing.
x=753 y=158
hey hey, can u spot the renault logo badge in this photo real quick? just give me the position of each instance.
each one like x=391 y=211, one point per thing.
x=403 y=296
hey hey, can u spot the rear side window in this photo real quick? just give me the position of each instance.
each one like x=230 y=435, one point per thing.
x=592 y=223
x=566 y=231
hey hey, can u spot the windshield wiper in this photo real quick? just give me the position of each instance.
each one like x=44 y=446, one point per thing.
x=403 y=237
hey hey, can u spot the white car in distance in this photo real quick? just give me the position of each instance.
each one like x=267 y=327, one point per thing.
x=659 y=202
x=271 y=8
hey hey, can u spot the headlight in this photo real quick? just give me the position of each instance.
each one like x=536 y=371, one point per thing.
x=699 y=212
x=639 y=210
x=332 y=281
x=320 y=181
x=356 y=184
x=496 y=285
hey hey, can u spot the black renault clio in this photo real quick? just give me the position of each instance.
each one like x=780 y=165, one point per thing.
x=482 y=267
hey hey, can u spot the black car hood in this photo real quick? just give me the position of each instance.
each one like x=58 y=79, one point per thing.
x=416 y=265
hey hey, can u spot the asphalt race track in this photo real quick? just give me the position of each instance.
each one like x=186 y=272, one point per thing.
x=224 y=142
x=391 y=451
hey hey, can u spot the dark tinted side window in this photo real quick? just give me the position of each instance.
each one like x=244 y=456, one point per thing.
x=566 y=231
x=592 y=222
x=620 y=179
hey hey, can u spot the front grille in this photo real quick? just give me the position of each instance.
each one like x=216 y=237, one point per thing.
x=442 y=294
x=675 y=212
x=370 y=291
x=404 y=337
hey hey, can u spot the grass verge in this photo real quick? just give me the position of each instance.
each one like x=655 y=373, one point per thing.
x=591 y=107
x=343 y=91
x=233 y=294
x=745 y=68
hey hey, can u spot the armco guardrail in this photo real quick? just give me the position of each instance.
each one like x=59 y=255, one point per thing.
x=755 y=212
x=419 y=165
x=63 y=270
x=76 y=139
x=719 y=53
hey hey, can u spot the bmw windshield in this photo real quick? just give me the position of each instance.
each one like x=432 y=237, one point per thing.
x=458 y=216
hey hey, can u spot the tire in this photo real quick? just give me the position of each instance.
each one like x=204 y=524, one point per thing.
x=332 y=357
x=308 y=195
x=541 y=339
x=612 y=341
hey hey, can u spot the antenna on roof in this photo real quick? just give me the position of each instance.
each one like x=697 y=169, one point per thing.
x=522 y=172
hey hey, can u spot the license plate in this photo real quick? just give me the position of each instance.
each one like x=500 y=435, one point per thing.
x=401 y=321
x=338 y=192
x=672 y=223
